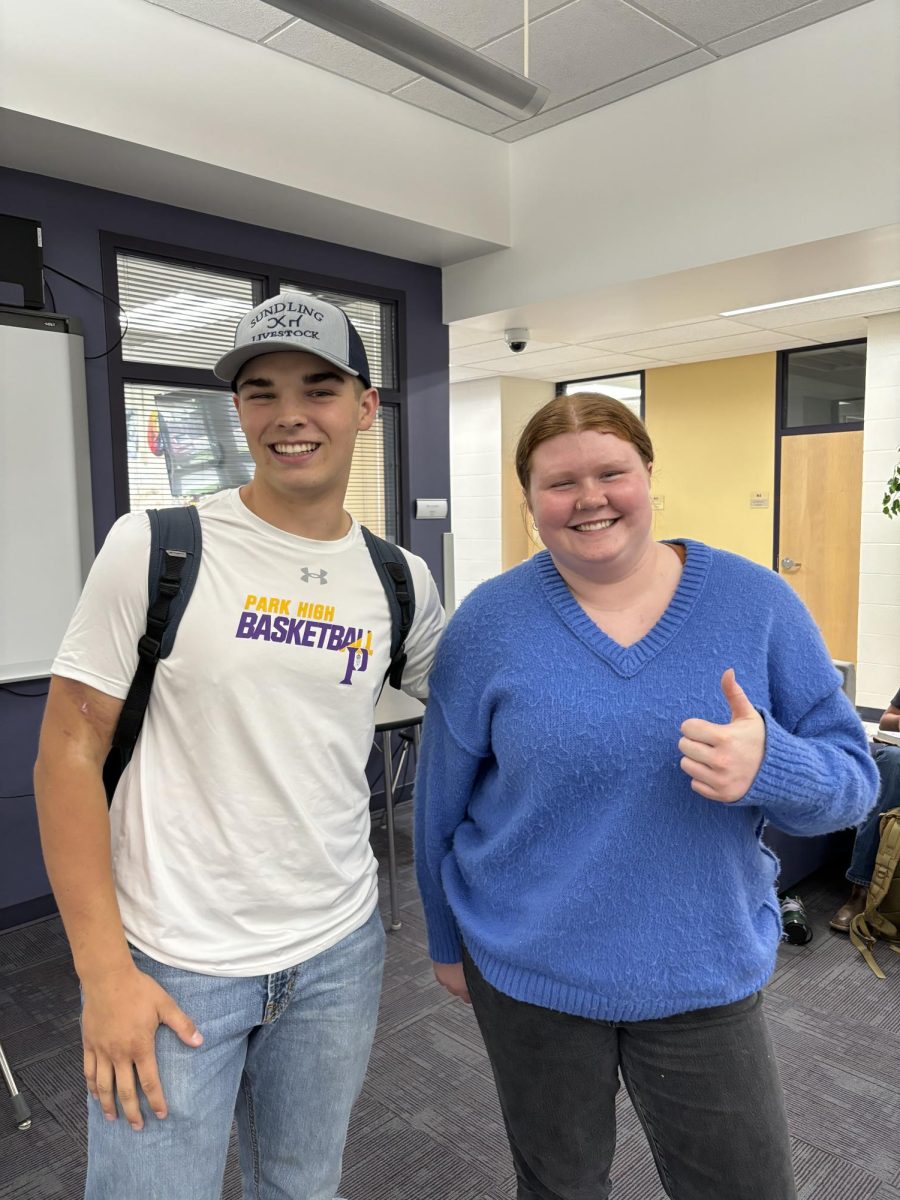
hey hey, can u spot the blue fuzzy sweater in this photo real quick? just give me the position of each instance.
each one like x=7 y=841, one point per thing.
x=555 y=831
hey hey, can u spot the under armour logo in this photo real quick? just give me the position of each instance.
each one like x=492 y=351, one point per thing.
x=307 y=574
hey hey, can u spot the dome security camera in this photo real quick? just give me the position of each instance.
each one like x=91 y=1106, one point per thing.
x=516 y=339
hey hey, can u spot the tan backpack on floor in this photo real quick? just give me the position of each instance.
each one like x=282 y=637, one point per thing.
x=881 y=916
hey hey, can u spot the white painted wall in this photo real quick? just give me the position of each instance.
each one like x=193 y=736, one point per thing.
x=475 y=481
x=790 y=142
x=878 y=666
x=144 y=79
x=519 y=401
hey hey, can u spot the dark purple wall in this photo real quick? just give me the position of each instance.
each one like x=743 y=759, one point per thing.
x=72 y=218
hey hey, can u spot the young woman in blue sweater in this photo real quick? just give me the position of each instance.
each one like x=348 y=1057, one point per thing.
x=610 y=726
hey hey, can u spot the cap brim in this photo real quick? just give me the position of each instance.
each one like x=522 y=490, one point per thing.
x=228 y=366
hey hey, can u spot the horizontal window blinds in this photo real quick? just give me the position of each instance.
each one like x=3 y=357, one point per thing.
x=178 y=314
x=185 y=443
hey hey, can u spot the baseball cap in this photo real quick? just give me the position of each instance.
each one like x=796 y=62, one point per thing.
x=296 y=321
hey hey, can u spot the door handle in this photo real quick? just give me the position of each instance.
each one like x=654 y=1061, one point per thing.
x=788 y=564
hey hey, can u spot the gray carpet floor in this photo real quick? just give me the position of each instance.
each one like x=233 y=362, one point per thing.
x=427 y=1126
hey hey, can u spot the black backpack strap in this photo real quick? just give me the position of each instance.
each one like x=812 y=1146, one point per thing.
x=393 y=571
x=175 y=545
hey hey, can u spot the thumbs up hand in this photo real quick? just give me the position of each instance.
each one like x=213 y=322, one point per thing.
x=722 y=760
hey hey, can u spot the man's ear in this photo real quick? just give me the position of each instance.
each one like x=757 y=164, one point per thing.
x=237 y=404
x=368 y=406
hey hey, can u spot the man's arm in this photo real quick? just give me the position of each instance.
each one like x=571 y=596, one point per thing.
x=890 y=718
x=122 y=1006
x=75 y=737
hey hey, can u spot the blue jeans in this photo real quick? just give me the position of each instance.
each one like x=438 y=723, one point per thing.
x=865 y=847
x=285 y=1054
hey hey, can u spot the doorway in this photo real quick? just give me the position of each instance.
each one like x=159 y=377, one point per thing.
x=820 y=440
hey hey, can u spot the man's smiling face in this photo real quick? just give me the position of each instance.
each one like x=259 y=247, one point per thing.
x=300 y=416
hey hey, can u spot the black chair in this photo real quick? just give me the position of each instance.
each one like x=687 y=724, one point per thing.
x=395 y=713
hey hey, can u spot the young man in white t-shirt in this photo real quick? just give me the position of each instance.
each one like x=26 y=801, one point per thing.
x=223 y=916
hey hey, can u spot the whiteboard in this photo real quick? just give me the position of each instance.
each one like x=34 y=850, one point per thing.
x=46 y=514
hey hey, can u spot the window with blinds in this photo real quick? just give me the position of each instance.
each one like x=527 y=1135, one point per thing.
x=183 y=443
x=179 y=314
x=183 y=437
x=375 y=322
x=186 y=443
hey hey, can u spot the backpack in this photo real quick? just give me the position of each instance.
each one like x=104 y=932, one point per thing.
x=881 y=916
x=175 y=549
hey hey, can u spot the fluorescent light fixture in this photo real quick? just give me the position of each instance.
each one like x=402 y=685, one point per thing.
x=385 y=31
x=870 y=287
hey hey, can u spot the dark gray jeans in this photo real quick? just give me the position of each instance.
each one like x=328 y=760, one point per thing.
x=704 y=1084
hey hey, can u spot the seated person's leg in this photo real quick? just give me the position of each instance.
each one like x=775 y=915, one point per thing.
x=865 y=846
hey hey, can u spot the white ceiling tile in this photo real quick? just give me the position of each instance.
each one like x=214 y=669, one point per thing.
x=466 y=335
x=322 y=49
x=746 y=343
x=247 y=18
x=706 y=21
x=589 y=53
x=859 y=304
x=465 y=374
x=843 y=329
x=494 y=349
x=598 y=369
x=547 y=374
x=607 y=95
x=473 y=22
x=423 y=93
x=671 y=335
x=799 y=18
x=587 y=45
x=534 y=360
x=611 y=364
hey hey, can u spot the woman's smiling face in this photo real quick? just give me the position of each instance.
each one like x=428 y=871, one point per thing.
x=589 y=493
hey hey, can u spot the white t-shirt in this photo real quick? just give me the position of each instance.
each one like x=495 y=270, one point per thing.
x=240 y=828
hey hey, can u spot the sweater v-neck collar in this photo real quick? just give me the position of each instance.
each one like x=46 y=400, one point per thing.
x=628 y=660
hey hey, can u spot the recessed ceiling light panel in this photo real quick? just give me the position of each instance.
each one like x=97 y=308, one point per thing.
x=870 y=287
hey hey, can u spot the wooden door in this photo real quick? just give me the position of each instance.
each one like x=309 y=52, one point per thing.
x=821 y=506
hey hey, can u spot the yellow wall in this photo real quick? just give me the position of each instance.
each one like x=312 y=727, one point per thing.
x=713 y=431
x=519 y=399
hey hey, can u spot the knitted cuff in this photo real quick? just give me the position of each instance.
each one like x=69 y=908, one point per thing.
x=790 y=778
x=444 y=942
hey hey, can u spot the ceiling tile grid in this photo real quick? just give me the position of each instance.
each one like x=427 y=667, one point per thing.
x=479 y=353
x=507 y=363
x=766 y=31
x=589 y=53
x=587 y=45
x=469 y=335
x=320 y=48
x=497 y=348
x=857 y=304
x=247 y=18
x=754 y=342
x=841 y=329
x=638 y=82
x=672 y=335
x=474 y=22
x=425 y=93
x=705 y=22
